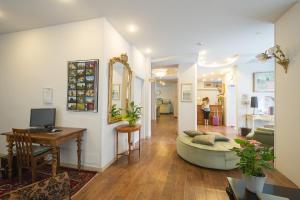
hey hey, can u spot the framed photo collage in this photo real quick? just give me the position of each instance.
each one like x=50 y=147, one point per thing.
x=82 y=85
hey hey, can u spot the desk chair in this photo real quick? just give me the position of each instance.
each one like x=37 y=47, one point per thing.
x=28 y=155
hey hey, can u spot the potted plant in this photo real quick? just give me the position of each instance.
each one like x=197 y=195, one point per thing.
x=133 y=114
x=254 y=158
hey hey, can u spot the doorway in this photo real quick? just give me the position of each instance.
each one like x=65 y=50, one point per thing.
x=164 y=94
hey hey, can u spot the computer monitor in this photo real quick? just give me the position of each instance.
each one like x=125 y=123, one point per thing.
x=42 y=117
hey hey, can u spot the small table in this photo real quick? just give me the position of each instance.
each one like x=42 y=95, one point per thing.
x=128 y=129
x=52 y=139
x=269 y=119
x=237 y=191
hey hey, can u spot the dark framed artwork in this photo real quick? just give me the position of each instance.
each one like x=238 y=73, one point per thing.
x=83 y=85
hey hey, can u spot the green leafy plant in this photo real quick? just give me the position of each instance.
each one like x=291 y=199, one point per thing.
x=116 y=112
x=253 y=157
x=133 y=113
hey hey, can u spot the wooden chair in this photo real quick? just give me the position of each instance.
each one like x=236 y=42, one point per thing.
x=28 y=154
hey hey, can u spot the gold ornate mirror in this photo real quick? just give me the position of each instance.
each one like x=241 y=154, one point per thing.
x=119 y=87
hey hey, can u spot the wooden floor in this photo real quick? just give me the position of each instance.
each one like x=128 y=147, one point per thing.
x=161 y=174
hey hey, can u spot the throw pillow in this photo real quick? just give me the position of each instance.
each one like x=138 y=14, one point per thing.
x=192 y=133
x=204 y=139
x=218 y=136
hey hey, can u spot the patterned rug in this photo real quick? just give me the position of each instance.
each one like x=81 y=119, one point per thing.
x=77 y=179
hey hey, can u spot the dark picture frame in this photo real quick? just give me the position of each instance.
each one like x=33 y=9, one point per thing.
x=83 y=79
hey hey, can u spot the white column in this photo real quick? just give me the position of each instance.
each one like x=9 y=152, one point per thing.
x=187 y=111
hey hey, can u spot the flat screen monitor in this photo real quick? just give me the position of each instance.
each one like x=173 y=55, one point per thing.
x=42 y=117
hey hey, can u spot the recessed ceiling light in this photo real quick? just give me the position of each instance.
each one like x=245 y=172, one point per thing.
x=1 y=14
x=221 y=63
x=132 y=28
x=65 y=1
x=148 y=51
x=202 y=53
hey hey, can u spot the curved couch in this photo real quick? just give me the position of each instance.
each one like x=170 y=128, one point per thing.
x=218 y=156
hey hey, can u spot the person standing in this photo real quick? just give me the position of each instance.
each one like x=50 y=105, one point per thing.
x=206 y=110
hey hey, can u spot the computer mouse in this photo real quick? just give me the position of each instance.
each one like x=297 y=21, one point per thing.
x=54 y=130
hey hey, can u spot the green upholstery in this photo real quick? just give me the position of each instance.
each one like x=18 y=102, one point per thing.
x=264 y=136
x=218 y=156
x=38 y=150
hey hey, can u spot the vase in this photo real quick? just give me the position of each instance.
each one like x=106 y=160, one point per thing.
x=254 y=184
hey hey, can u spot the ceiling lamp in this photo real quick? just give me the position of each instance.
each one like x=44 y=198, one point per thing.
x=227 y=61
x=159 y=73
x=162 y=83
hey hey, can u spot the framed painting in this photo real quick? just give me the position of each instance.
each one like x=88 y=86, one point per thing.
x=263 y=81
x=82 y=88
x=187 y=92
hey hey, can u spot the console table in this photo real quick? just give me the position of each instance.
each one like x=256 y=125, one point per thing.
x=269 y=119
x=236 y=190
x=129 y=130
x=52 y=139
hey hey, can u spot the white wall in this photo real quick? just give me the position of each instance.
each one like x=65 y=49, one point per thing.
x=244 y=83
x=287 y=137
x=115 y=45
x=31 y=60
x=187 y=111
x=230 y=97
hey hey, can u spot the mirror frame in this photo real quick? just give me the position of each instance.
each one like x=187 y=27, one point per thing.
x=123 y=59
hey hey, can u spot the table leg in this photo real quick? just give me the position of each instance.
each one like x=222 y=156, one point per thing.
x=117 y=144
x=79 y=140
x=10 y=155
x=129 y=143
x=58 y=157
x=139 y=142
x=54 y=160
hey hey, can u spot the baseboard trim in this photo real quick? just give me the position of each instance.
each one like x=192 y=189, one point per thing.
x=102 y=169
x=84 y=167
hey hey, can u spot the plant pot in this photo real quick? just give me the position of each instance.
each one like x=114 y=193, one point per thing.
x=245 y=131
x=254 y=184
x=132 y=123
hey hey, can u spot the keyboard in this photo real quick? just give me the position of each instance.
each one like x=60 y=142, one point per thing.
x=39 y=130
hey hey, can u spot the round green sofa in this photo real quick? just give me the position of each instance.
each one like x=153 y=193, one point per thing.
x=218 y=156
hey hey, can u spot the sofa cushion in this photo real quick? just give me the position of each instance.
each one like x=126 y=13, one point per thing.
x=193 y=133
x=204 y=139
x=218 y=136
x=218 y=146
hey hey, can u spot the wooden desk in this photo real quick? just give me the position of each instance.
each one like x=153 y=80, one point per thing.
x=128 y=129
x=52 y=139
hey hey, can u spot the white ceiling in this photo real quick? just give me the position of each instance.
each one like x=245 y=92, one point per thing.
x=171 y=28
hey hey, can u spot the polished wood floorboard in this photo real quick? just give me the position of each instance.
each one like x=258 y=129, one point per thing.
x=160 y=174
